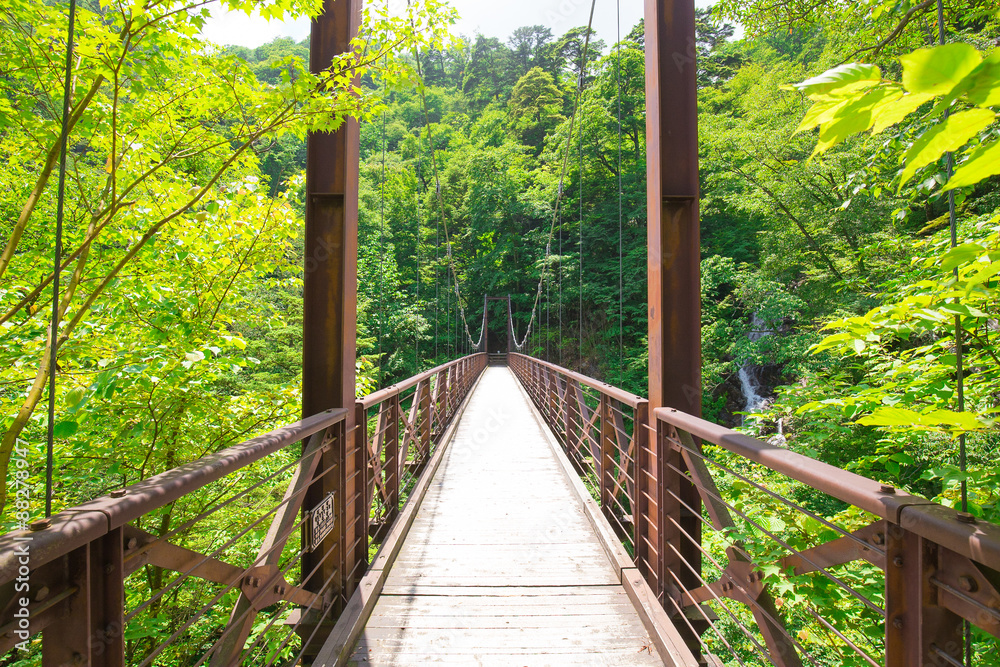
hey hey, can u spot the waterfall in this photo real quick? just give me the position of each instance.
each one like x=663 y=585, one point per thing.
x=753 y=401
x=749 y=379
x=779 y=439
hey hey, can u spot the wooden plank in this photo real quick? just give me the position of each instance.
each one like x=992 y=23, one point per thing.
x=560 y=659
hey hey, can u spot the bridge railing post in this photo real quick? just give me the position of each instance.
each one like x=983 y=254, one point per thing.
x=93 y=633
x=363 y=507
x=645 y=502
x=393 y=465
x=606 y=465
x=917 y=629
x=677 y=568
x=423 y=400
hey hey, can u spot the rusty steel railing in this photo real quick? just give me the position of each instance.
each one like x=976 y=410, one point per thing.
x=204 y=564
x=597 y=425
x=401 y=424
x=779 y=559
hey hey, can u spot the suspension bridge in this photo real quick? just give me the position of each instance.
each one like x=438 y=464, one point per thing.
x=500 y=509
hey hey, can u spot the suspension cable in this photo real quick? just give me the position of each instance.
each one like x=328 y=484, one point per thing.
x=440 y=202
x=621 y=289
x=562 y=178
x=560 y=291
x=959 y=346
x=381 y=256
x=60 y=211
x=416 y=250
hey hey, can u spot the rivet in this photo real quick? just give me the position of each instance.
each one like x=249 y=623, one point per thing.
x=898 y=561
x=967 y=584
x=256 y=582
x=878 y=539
x=132 y=543
x=41 y=593
x=898 y=622
x=965 y=517
x=277 y=590
x=109 y=568
x=120 y=493
x=40 y=524
x=887 y=489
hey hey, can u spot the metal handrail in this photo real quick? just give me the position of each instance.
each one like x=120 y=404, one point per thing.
x=617 y=394
x=85 y=523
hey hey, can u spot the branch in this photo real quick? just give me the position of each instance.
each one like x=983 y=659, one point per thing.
x=877 y=48
x=43 y=178
x=805 y=232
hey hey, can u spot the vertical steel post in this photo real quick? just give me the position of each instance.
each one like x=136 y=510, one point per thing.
x=917 y=629
x=395 y=458
x=606 y=467
x=424 y=397
x=330 y=313
x=674 y=245
x=644 y=531
x=93 y=631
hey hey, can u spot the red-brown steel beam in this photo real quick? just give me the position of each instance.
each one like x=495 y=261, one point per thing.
x=673 y=257
x=330 y=315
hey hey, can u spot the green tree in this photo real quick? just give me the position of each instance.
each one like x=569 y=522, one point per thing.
x=534 y=107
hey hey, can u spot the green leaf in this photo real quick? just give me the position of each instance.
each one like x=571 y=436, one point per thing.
x=73 y=397
x=65 y=429
x=959 y=255
x=891 y=417
x=939 y=69
x=982 y=163
x=894 y=109
x=965 y=421
x=950 y=135
x=853 y=117
x=839 y=78
x=984 y=274
x=822 y=111
x=982 y=85
x=840 y=129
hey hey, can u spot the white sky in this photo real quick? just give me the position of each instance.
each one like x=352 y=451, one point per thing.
x=476 y=16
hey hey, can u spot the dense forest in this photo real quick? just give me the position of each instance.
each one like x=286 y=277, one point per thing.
x=832 y=289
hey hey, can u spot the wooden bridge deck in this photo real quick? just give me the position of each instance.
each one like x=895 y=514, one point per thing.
x=501 y=565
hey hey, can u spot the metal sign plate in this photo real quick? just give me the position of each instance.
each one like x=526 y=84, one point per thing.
x=321 y=521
